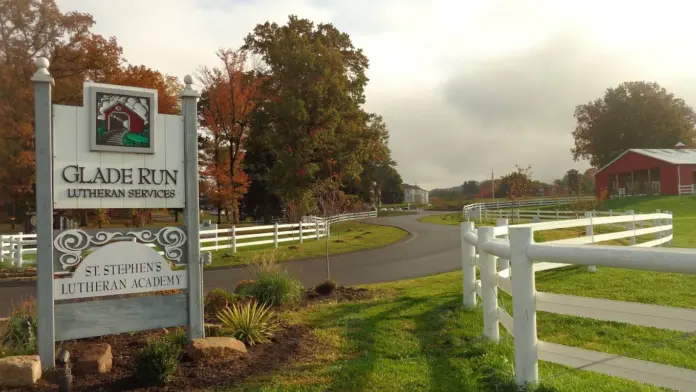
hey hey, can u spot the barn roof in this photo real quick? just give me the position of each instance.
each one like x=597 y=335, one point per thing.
x=125 y=106
x=675 y=156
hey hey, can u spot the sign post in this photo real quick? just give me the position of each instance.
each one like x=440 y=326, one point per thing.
x=115 y=151
x=43 y=82
x=189 y=99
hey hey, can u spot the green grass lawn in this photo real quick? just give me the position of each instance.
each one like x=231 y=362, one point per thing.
x=414 y=336
x=345 y=237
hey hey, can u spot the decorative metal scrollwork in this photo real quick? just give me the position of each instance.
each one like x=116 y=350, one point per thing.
x=71 y=244
x=170 y=238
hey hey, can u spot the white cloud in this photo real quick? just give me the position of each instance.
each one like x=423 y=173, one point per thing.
x=465 y=87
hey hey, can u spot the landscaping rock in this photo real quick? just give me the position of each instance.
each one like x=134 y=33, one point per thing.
x=96 y=359
x=214 y=347
x=20 y=371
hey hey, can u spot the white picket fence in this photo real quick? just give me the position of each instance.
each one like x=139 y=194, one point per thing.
x=478 y=210
x=510 y=265
x=14 y=247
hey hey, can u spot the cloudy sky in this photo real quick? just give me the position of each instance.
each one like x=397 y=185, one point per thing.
x=465 y=86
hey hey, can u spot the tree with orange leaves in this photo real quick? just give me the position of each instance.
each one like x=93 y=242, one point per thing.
x=229 y=97
x=28 y=29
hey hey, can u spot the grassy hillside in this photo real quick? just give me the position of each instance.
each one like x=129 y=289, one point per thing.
x=683 y=208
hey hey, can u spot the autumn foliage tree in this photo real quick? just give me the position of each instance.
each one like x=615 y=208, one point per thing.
x=31 y=28
x=311 y=121
x=517 y=184
x=230 y=94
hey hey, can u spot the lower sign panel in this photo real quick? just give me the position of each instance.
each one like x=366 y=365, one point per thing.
x=96 y=318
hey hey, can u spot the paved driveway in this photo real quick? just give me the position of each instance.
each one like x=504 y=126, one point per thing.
x=430 y=249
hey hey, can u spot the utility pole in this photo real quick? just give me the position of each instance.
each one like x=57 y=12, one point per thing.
x=492 y=185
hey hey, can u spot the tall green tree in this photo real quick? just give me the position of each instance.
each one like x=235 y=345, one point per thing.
x=632 y=115
x=310 y=119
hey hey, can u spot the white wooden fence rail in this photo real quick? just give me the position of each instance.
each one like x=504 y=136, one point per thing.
x=14 y=247
x=527 y=257
x=480 y=209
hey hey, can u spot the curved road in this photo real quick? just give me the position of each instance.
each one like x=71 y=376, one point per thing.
x=430 y=249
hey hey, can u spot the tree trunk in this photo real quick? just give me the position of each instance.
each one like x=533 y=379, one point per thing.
x=219 y=216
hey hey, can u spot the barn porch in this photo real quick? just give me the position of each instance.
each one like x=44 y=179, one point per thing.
x=635 y=183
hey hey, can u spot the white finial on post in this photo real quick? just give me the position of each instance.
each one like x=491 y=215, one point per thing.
x=189 y=91
x=42 y=74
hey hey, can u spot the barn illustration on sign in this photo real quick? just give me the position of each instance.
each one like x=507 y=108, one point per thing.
x=123 y=121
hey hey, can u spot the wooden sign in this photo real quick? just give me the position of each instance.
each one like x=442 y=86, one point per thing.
x=120 y=268
x=115 y=151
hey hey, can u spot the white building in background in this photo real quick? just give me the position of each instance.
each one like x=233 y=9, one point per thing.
x=415 y=194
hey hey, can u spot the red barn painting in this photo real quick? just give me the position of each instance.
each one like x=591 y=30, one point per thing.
x=121 y=117
x=649 y=172
x=123 y=121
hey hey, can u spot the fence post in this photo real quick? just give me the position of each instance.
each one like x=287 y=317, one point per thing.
x=12 y=251
x=502 y=263
x=489 y=285
x=670 y=221
x=217 y=244
x=589 y=232
x=301 y=239
x=523 y=306
x=234 y=239
x=275 y=234
x=658 y=222
x=468 y=267
x=557 y=215
x=316 y=227
x=2 y=248
x=632 y=226
x=20 y=247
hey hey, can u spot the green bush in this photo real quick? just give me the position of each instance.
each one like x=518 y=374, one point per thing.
x=275 y=288
x=273 y=285
x=216 y=300
x=158 y=360
x=251 y=322
x=326 y=287
x=244 y=287
x=19 y=335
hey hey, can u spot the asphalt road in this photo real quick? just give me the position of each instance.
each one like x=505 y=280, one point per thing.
x=430 y=249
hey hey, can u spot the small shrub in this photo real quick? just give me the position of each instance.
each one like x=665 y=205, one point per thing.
x=251 y=322
x=326 y=287
x=157 y=361
x=276 y=288
x=19 y=335
x=216 y=300
x=273 y=286
x=244 y=287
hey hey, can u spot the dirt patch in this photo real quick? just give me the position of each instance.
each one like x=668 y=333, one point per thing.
x=357 y=237
x=339 y=241
x=293 y=247
x=13 y=273
x=292 y=344
x=341 y=294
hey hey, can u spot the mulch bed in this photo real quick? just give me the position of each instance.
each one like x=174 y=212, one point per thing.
x=292 y=344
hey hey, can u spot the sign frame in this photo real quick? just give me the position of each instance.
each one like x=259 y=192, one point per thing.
x=68 y=320
x=93 y=89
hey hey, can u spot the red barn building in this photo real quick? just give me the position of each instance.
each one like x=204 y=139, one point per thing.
x=121 y=117
x=649 y=172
